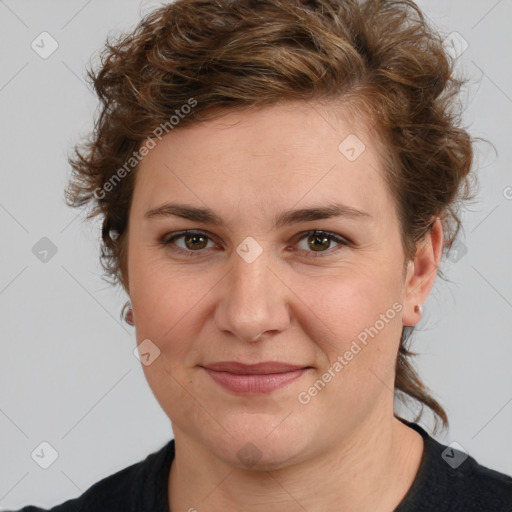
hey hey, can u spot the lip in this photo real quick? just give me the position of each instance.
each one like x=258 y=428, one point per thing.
x=254 y=379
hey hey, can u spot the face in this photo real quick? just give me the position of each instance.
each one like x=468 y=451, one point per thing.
x=261 y=256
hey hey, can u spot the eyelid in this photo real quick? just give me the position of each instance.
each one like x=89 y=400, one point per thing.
x=168 y=237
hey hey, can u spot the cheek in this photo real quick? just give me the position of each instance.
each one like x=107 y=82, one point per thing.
x=166 y=307
x=361 y=315
x=172 y=308
x=349 y=303
x=361 y=327
x=161 y=295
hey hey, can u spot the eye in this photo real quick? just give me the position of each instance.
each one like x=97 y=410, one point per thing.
x=191 y=242
x=319 y=242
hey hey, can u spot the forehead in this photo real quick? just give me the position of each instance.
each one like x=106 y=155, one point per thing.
x=287 y=152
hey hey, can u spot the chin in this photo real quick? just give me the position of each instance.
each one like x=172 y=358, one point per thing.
x=260 y=442
x=262 y=455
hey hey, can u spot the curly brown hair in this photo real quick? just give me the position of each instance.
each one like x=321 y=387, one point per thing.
x=380 y=59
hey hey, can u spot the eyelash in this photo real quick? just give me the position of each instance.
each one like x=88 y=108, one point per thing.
x=167 y=242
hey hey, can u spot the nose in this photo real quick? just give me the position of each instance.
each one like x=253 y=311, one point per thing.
x=253 y=300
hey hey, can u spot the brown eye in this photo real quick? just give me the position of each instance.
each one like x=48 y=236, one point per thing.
x=195 y=241
x=188 y=243
x=319 y=242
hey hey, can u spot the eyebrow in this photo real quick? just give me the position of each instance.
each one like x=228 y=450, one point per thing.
x=208 y=216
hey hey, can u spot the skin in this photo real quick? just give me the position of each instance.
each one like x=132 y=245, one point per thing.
x=294 y=303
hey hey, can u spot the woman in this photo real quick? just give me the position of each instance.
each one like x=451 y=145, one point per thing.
x=277 y=182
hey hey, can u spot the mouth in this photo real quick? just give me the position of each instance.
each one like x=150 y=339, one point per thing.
x=253 y=379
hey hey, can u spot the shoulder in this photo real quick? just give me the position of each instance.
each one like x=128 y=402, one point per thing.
x=130 y=489
x=479 y=488
x=450 y=480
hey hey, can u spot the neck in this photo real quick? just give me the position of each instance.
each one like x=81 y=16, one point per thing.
x=370 y=471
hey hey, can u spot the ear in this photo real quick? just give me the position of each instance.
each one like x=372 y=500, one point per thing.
x=422 y=272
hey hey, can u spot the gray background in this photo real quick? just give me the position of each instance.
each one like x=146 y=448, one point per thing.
x=68 y=375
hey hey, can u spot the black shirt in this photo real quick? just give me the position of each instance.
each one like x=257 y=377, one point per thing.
x=444 y=483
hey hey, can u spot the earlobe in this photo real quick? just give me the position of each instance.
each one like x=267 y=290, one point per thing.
x=421 y=273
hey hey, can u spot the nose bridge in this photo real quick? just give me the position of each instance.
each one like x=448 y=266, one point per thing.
x=250 y=280
x=252 y=301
